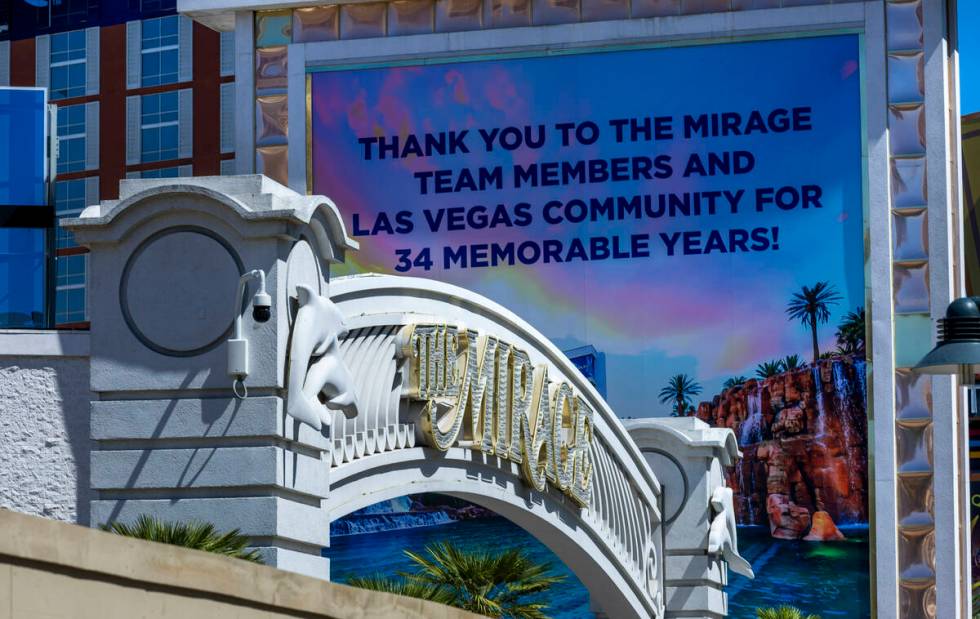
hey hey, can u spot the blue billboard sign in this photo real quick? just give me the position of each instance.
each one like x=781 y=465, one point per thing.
x=25 y=212
x=678 y=211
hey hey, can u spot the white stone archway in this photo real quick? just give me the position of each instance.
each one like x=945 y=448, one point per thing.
x=614 y=542
x=496 y=485
x=360 y=389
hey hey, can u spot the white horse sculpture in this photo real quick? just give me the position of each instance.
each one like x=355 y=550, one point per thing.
x=315 y=366
x=722 y=538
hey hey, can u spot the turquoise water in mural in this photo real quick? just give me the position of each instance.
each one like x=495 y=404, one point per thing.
x=830 y=579
x=371 y=553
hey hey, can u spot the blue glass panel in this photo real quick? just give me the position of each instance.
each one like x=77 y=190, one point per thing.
x=70 y=305
x=69 y=200
x=159 y=127
x=22 y=278
x=71 y=270
x=70 y=293
x=168 y=66
x=22 y=136
x=151 y=69
x=59 y=44
x=71 y=119
x=150 y=141
x=171 y=172
x=71 y=155
x=150 y=31
x=67 y=64
x=168 y=30
x=168 y=142
x=68 y=46
x=159 y=47
x=159 y=32
x=150 y=106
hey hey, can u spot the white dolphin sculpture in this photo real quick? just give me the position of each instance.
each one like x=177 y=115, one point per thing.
x=315 y=365
x=722 y=538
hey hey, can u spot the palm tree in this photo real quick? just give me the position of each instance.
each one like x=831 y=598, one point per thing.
x=791 y=362
x=402 y=586
x=195 y=535
x=783 y=612
x=768 y=368
x=734 y=381
x=811 y=306
x=679 y=391
x=850 y=331
x=505 y=585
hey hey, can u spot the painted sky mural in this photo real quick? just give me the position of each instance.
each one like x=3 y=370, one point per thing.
x=712 y=312
x=663 y=206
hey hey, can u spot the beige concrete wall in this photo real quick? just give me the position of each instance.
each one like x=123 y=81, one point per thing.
x=52 y=570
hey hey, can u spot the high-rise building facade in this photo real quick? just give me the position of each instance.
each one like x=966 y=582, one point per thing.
x=141 y=92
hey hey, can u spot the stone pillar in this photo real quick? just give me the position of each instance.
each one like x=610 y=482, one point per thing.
x=169 y=437
x=689 y=458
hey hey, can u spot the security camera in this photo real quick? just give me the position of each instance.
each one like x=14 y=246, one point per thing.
x=261 y=306
x=238 y=345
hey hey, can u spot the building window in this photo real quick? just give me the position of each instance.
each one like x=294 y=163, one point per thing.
x=71 y=138
x=159 y=127
x=69 y=201
x=59 y=14
x=68 y=13
x=172 y=172
x=68 y=64
x=159 y=51
x=22 y=277
x=70 y=288
x=155 y=6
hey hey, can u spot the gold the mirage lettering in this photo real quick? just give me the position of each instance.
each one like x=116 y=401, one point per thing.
x=486 y=395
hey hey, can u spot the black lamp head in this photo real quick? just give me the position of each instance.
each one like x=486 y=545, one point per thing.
x=958 y=347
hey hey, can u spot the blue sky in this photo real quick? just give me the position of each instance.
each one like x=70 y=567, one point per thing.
x=969 y=21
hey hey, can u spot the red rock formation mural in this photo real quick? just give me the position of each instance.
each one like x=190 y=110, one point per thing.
x=803 y=434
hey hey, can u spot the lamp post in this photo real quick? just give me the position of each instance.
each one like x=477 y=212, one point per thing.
x=958 y=349
x=958 y=352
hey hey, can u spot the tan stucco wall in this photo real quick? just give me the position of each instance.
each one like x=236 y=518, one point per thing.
x=50 y=569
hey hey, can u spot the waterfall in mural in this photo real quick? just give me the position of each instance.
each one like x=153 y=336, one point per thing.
x=803 y=434
x=743 y=473
x=751 y=429
x=821 y=429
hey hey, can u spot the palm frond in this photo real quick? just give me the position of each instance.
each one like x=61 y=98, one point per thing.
x=195 y=535
x=791 y=362
x=679 y=391
x=769 y=368
x=402 y=586
x=507 y=584
x=783 y=612
x=813 y=303
x=851 y=331
x=734 y=381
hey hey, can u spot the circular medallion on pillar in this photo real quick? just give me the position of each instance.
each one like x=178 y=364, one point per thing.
x=177 y=289
x=673 y=479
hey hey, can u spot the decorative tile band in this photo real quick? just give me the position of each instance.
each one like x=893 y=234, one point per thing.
x=910 y=277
